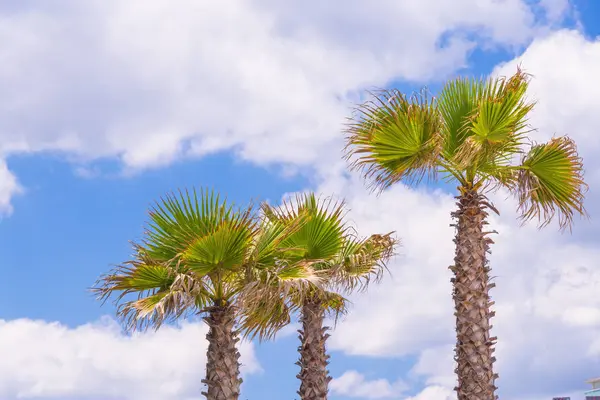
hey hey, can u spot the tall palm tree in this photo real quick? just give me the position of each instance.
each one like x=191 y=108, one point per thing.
x=197 y=256
x=474 y=133
x=341 y=261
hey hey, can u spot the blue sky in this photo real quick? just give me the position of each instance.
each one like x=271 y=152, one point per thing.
x=105 y=109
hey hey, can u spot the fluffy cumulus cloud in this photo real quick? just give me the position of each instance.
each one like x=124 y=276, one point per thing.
x=420 y=220
x=95 y=361
x=433 y=393
x=149 y=82
x=354 y=384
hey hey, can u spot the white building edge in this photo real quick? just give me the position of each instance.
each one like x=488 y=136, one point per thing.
x=595 y=387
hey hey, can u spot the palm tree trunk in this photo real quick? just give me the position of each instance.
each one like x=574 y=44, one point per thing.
x=474 y=346
x=314 y=376
x=222 y=364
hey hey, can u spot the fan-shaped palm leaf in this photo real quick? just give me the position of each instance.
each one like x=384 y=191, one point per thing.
x=497 y=127
x=394 y=137
x=551 y=182
x=320 y=236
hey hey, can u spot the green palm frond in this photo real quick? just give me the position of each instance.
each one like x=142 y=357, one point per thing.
x=321 y=234
x=225 y=247
x=393 y=137
x=141 y=276
x=550 y=182
x=269 y=243
x=497 y=126
x=209 y=235
x=176 y=222
x=164 y=291
x=457 y=103
x=361 y=261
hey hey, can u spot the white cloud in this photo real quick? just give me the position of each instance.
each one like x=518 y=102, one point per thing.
x=288 y=330
x=436 y=364
x=149 y=83
x=421 y=221
x=354 y=384
x=49 y=360
x=556 y=10
x=434 y=393
x=8 y=188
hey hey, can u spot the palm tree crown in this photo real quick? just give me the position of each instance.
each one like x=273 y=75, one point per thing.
x=335 y=261
x=475 y=133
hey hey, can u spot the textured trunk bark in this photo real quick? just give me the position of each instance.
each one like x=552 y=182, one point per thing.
x=314 y=376
x=474 y=346
x=222 y=365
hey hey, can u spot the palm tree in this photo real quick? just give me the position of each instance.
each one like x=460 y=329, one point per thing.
x=342 y=263
x=474 y=133
x=197 y=256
